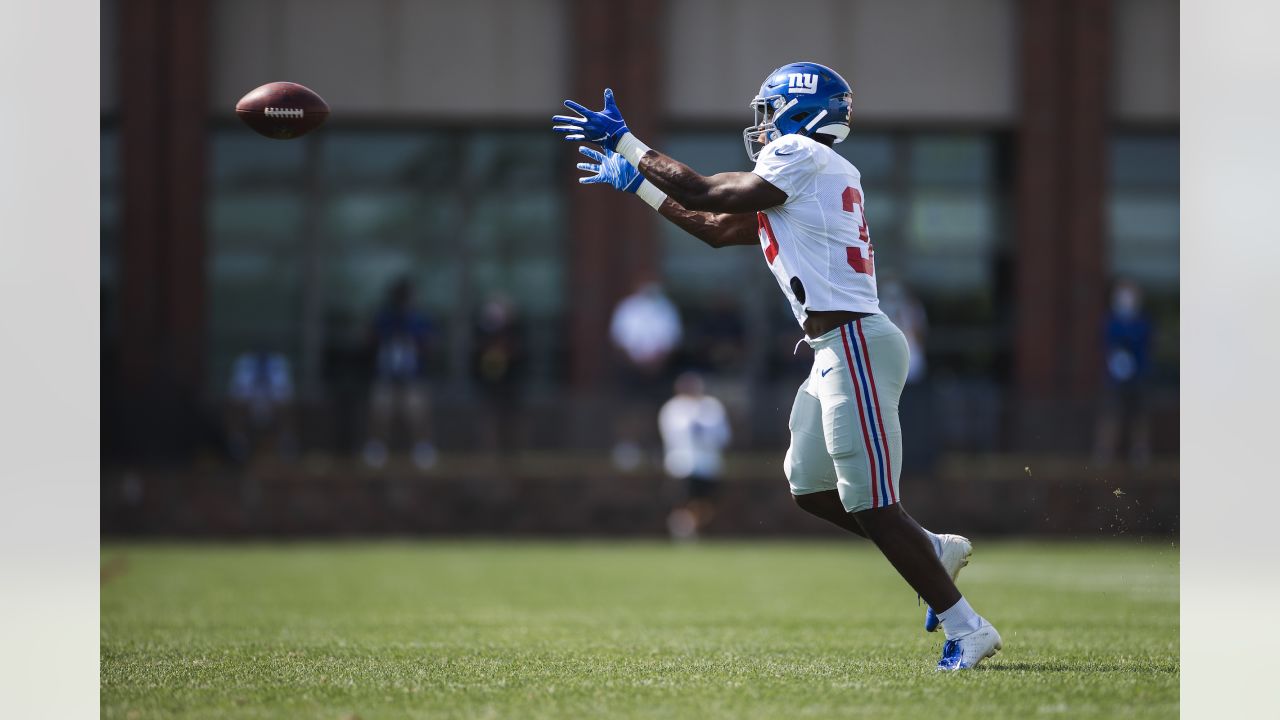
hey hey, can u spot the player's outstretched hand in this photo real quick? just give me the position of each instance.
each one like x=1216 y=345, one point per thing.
x=603 y=128
x=609 y=167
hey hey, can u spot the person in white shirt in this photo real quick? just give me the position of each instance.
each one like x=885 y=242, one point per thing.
x=695 y=431
x=803 y=204
x=646 y=329
x=646 y=326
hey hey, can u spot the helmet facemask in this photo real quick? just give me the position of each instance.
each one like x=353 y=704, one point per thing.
x=763 y=132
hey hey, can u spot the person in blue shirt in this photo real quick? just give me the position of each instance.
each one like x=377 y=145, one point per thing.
x=260 y=405
x=401 y=335
x=1127 y=341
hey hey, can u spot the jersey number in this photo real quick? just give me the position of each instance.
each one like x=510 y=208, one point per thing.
x=865 y=265
x=766 y=234
x=852 y=198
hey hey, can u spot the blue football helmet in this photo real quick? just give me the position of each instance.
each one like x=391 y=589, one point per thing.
x=803 y=98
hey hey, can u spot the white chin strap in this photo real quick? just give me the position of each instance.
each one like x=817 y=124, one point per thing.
x=839 y=131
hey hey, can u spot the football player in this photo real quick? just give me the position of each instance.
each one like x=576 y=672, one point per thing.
x=803 y=204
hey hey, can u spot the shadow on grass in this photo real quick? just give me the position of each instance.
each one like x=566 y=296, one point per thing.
x=1059 y=666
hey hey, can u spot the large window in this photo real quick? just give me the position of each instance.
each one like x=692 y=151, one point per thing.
x=1143 y=217
x=256 y=226
x=951 y=227
x=306 y=237
x=1143 y=231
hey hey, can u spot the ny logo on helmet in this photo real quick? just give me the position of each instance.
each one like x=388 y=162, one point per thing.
x=804 y=83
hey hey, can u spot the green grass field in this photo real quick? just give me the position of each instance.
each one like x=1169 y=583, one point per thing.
x=634 y=630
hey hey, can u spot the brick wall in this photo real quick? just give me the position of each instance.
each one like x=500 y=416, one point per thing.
x=579 y=495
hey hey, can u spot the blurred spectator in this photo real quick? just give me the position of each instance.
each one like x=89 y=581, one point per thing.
x=646 y=329
x=498 y=366
x=400 y=338
x=646 y=326
x=260 y=405
x=1127 y=352
x=695 y=430
x=907 y=312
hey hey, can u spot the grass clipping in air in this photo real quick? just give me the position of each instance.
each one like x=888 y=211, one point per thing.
x=625 y=630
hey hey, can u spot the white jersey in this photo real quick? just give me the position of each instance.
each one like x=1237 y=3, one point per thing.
x=694 y=433
x=817 y=243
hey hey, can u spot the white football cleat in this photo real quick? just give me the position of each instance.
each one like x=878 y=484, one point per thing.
x=956 y=550
x=967 y=651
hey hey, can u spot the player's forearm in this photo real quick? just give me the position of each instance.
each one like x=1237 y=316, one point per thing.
x=715 y=229
x=677 y=180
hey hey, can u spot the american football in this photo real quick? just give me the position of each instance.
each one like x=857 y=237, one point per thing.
x=282 y=110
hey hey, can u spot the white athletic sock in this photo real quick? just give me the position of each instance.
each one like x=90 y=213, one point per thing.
x=959 y=619
x=937 y=542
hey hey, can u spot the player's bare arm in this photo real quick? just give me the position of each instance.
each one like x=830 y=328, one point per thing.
x=715 y=229
x=727 y=192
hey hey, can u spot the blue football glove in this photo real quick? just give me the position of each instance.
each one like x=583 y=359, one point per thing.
x=611 y=168
x=603 y=128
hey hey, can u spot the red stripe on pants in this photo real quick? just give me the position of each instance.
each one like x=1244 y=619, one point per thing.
x=866 y=438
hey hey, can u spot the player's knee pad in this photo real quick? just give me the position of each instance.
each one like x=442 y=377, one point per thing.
x=851 y=469
x=864 y=483
x=808 y=471
x=794 y=470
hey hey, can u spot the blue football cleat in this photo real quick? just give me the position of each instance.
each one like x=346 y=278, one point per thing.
x=968 y=651
x=956 y=551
